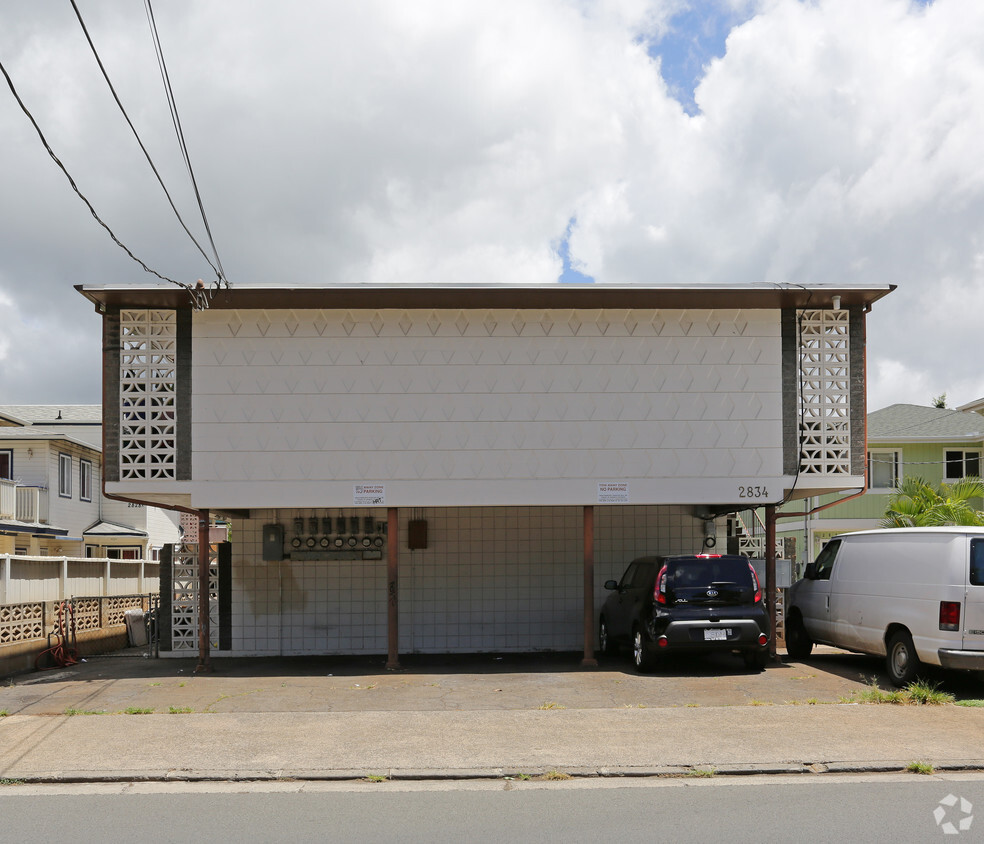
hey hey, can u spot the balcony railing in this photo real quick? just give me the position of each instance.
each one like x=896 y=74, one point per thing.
x=8 y=499
x=32 y=504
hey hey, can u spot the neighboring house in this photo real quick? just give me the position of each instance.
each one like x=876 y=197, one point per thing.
x=51 y=501
x=459 y=468
x=935 y=444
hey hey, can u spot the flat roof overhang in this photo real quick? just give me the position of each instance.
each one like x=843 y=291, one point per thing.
x=520 y=296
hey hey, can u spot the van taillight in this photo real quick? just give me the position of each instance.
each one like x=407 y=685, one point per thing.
x=949 y=615
x=755 y=580
x=659 y=593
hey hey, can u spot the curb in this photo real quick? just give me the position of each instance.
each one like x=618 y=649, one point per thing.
x=462 y=774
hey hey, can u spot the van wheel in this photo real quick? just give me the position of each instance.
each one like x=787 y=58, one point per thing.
x=902 y=662
x=798 y=643
x=607 y=646
x=642 y=654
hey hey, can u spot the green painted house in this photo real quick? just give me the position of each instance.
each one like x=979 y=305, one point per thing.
x=936 y=444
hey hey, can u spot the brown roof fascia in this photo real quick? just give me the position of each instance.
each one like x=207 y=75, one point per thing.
x=476 y=296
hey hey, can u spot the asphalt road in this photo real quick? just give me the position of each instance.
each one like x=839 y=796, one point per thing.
x=891 y=808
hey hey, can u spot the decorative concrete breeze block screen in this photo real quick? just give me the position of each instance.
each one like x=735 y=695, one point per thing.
x=184 y=608
x=148 y=359
x=824 y=394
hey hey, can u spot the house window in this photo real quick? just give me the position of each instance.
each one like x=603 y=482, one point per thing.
x=85 y=480
x=65 y=475
x=123 y=553
x=961 y=464
x=884 y=468
x=7 y=464
x=90 y=551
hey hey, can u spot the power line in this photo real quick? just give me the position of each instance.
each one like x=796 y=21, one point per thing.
x=75 y=187
x=160 y=181
x=180 y=134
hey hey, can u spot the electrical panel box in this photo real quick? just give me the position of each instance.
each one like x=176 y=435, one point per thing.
x=273 y=543
x=416 y=534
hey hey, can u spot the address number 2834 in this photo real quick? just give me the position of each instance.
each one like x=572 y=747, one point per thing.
x=753 y=492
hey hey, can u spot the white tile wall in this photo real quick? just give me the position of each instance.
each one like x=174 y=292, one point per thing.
x=491 y=579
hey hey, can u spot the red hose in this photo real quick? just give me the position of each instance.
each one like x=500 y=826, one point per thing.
x=62 y=654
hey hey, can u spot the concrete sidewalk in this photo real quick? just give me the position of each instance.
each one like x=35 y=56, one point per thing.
x=462 y=717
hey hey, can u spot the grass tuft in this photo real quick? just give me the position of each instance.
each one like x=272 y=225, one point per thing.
x=179 y=710
x=969 y=702
x=701 y=773
x=919 y=768
x=3 y=713
x=85 y=711
x=377 y=778
x=555 y=775
x=136 y=710
x=549 y=704
x=918 y=693
x=922 y=692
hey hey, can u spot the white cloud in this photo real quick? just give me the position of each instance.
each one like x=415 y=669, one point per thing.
x=447 y=141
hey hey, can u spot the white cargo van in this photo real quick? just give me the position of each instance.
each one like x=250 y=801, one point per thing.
x=913 y=595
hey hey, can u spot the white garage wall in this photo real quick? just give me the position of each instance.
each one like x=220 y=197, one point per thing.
x=491 y=579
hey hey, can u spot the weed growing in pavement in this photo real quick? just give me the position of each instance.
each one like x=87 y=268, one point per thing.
x=85 y=711
x=5 y=781
x=179 y=710
x=701 y=773
x=969 y=702
x=549 y=704
x=918 y=692
x=3 y=713
x=919 y=768
x=754 y=702
x=921 y=691
x=555 y=775
x=376 y=778
x=136 y=710
x=694 y=705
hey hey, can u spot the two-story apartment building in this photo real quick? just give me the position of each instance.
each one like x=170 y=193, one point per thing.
x=458 y=468
x=51 y=501
x=932 y=443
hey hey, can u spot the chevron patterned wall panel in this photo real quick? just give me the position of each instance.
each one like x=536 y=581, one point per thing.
x=484 y=406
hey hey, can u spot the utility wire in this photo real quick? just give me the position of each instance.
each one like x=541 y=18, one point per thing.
x=75 y=187
x=126 y=117
x=181 y=141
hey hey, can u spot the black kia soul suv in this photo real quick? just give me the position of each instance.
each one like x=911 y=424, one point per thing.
x=699 y=602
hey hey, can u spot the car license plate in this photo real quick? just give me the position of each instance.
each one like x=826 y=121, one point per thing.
x=713 y=633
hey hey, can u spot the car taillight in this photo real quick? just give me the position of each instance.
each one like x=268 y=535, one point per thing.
x=659 y=593
x=755 y=580
x=949 y=615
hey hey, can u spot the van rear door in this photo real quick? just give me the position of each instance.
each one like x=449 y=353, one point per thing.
x=973 y=624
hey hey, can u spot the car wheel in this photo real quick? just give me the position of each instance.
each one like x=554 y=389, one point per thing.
x=754 y=660
x=902 y=662
x=604 y=640
x=642 y=654
x=798 y=643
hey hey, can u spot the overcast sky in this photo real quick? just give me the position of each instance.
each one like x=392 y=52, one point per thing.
x=722 y=141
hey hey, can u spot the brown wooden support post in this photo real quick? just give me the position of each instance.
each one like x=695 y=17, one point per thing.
x=393 y=589
x=204 y=634
x=770 y=574
x=589 y=660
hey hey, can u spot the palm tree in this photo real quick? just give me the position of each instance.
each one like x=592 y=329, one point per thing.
x=919 y=503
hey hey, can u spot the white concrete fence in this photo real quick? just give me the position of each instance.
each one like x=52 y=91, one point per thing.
x=32 y=579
